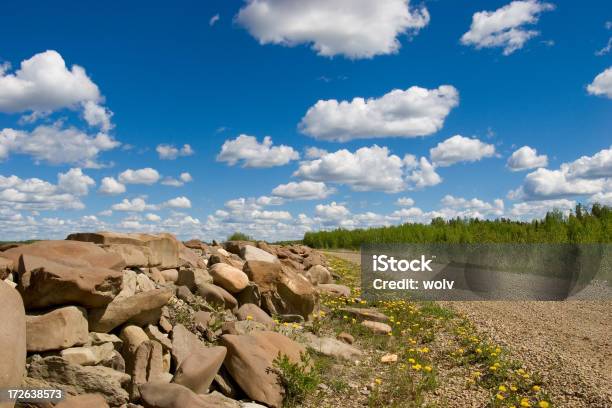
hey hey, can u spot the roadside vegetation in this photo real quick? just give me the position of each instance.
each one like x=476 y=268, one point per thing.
x=583 y=225
x=433 y=357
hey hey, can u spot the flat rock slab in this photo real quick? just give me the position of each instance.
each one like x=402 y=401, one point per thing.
x=366 y=314
x=160 y=395
x=141 y=309
x=333 y=348
x=56 y=330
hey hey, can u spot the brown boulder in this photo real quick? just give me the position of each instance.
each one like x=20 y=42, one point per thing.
x=184 y=343
x=377 y=327
x=197 y=371
x=44 y=282
x=69 y=253
x=141 y=309
x=158 y=250
x=161 y=395
x=229 y=278
x=318 y=274
x=251 y=253
x=365 y=314
x=56 y=330
x=334 y=290
x=6 y=267
x=216 y=295
x=189 y=258
x=249 y=311
x=283 y=291
x=250 y=363
x=12 y=339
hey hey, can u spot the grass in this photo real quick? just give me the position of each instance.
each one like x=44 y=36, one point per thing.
x=298 y=379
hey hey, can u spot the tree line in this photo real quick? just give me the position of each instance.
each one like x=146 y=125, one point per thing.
x=582 y=225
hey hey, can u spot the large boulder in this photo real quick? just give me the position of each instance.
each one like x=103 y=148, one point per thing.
x=75 y=379
x=251 y=253
x=250 y=363
x=229 y=278
x=217 y=296
x=189 y=258
x=69 y=253
x=160 y=395
x=283 y=291
x=141 y=309
x=184 y=343
x=56 y=330
x=250 y=311
x=314 y=258
x=198 y=370
x=12 y=339
x=318 y=274
x=44 y=282
x=154 y=250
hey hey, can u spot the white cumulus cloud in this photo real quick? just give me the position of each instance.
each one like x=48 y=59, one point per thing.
x=404 y=202
x=304 y=190
x=251 y=153
x=505 y=27
x=353 y=28
x=178 y=202
x=134 y=205
x=74 y=181
x=424 y=175
x=111 y=186
x=526 y=158
x=412 y=112
x=369 y=168
x=56 y=145
x=147 y=175
x=602 y=84
x=171 y=152
x=460 y=149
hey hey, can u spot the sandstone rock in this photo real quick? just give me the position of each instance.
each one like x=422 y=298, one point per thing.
x=184 y=343
x=250 y=294
x=250 y=311
x=158 y=250
x=170 y=275
x=154 y=334
x=314 y=258
x=68 y=253
x=389 y=358
x=345 y=337
x=233 y=247
x=250 y=362
x=132 y=337
x=143 y=283
x=251 y=253
x=85 y=400
x=196 y=244
x=12 y=339
x=192 y=277
x=189 y=258
x=377 y=327
x=242 y=327
x=334 y=289
x=197 y=371
x=218 y=296
x=43 y=283
x=130 y=282
x=365 y=314
x=76 y=379
x=96 y=339
x=333 y=348
x=141 y=309
x=159 y=395
x=229 y=278
x=143 y=365
x=156 y=276
x=203 y=319
x=59 y=329
x=318 y=274
x=183 y=293
x=283 y=291
x=79 y=355
x=6 y=267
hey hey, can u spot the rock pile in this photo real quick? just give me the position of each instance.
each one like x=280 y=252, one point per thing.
x=138 y=320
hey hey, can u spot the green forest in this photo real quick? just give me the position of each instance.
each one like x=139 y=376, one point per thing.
x=583 y=225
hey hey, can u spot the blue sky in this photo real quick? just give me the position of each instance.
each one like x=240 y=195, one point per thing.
x=489 y=109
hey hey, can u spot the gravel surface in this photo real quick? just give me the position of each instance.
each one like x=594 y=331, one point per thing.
x=569 y=343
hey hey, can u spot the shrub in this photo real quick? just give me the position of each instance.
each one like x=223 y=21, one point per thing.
x=298 y=379
x=239 y=236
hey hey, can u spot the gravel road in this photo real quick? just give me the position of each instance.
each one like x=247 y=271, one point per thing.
x=569 y=343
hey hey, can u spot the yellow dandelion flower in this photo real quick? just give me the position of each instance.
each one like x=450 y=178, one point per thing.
x=525 y=403
x=416 y=367
x=378 y=381
x=502 y=388
x=478 y=351
x=411 y=360
x=427 y=368
x=249 y=317
x=513 y=388
x=500 y=397
x=492 y=368
x=536 y=388
x=543 y=404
